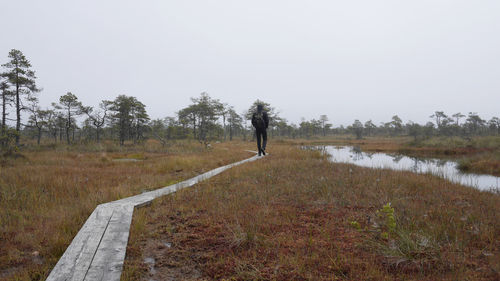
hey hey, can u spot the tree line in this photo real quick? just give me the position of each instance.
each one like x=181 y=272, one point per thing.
x=456 y=124
x=206 y=119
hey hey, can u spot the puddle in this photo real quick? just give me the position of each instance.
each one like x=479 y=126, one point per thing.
x=127 y=160
x=151 y=263
x=443 y=168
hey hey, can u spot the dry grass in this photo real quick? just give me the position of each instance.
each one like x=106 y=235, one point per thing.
x=296 y=216
x=47 y=195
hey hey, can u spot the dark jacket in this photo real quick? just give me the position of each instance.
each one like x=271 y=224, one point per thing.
x=264 y=116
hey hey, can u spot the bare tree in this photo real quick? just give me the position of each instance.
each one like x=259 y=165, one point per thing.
x=98 y=117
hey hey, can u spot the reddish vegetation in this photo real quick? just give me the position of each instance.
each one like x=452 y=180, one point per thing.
x=295 y=216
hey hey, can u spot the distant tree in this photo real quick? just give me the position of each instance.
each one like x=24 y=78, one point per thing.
x=428 y=129
x=222 y=110
x=188 y=117
x=59 y=125
x=306 y=128
x=139 y=120
x=39 y=118
x=457 y=117
x=285 y=129
x=447 y=126
x=70 y=107
x=159 y=129
x=235 y=122
x=97 y=117
x=474 y=123
x=494 y=124
x=22 y=78
x=397 y=124
x=414 y=130
x=208 y=111
x=438 y=115
x=357 y=129
x=271 y=111
x=370 y=127
x=129 y=117
x=323 y=119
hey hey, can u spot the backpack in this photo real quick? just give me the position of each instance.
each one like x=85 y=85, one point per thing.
x=259 y=120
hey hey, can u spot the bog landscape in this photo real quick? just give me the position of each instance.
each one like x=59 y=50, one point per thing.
x=173 y=181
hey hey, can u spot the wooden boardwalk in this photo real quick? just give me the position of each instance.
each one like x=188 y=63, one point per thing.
x=98 y=250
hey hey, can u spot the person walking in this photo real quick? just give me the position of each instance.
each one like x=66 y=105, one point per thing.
x=260 y=121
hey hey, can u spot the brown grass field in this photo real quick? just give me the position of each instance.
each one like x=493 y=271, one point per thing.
x=295 y=216
x=290 y=216
x=46 y=195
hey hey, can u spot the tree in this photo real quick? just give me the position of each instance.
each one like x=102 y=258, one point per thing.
x=22 y=79
x=39 y=118
x=235 y=122
x=414 y=130
x=474 y=122
x=369 y=126
x=159 y=129
x=428 y=129
x=271 y=111
x=129 y=118
x=357 y=128
x=438 y=115
x=222 y=110
x=98 y=117
x=457 y=117
x=397 y=124
x=71 y=107
x=207 y=110
x=140 y=119
x=495 y=123
x=6 y=100
x=323 y=118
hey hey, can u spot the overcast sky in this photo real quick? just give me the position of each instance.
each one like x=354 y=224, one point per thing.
x=346 y=59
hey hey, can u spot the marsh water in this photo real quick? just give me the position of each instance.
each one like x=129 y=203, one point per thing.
x=443 y=168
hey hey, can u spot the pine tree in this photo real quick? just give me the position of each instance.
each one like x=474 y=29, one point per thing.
x=71 y=107
x=6 y=97
x=20 y=76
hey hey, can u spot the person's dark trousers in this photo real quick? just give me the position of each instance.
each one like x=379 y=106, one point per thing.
x=263 y=133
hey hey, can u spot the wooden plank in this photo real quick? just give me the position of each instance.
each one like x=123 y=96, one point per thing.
x=78 y=256
x=108 y=260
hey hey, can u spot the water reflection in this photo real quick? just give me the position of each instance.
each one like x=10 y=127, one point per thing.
x=439 y=167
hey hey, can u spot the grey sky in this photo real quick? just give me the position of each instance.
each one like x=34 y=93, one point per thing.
x=347 y=59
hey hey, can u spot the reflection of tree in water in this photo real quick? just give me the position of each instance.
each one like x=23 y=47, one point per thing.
x=357 y=154
x=437 y=162
x=396 y=158
x=320 y=148
x=416 y=164
x=441 y=162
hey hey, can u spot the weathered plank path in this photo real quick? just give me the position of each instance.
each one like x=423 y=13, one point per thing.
x=98 y=250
